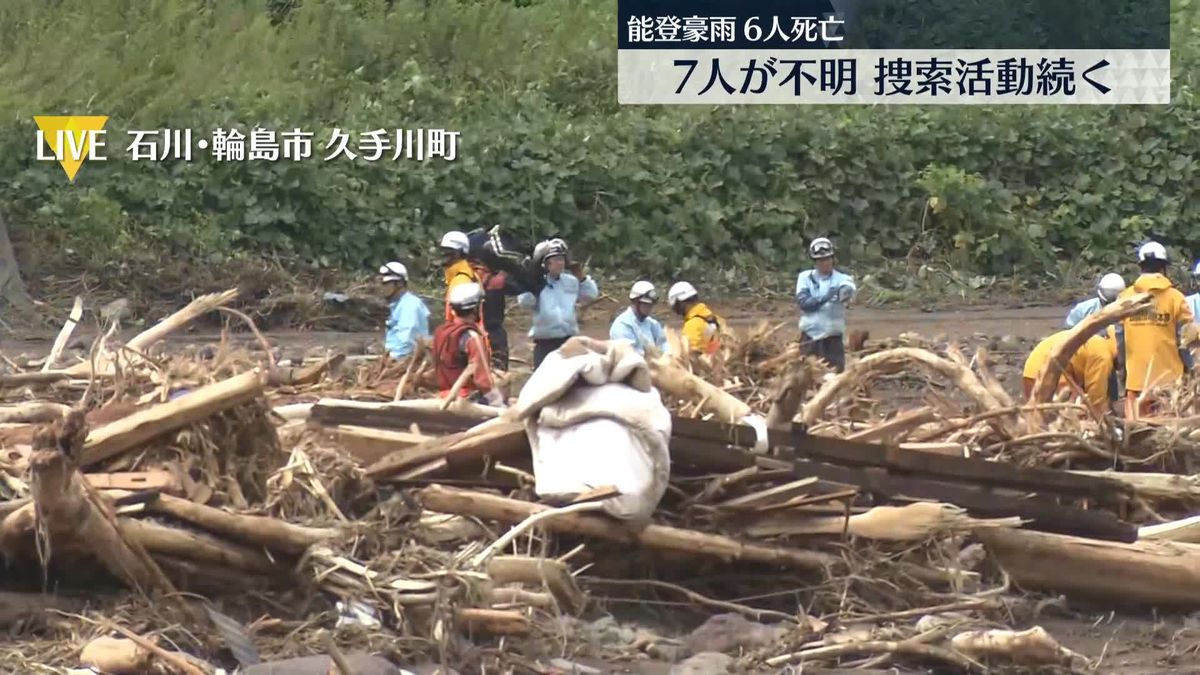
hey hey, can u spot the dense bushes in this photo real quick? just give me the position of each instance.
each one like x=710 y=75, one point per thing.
x=545 y=147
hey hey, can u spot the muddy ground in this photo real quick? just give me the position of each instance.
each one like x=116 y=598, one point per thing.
x=1129 y=642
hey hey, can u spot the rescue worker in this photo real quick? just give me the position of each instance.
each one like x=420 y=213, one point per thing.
x=1152 y=344
x=455 y=247
x=554 y=318
x=701 y=326
x=823 y=294
x=408 y=319
x=459 y=342
x=498 y=285
x=635 y=324
x=1089 y=368
x=1193 y=300
x=1107 y=290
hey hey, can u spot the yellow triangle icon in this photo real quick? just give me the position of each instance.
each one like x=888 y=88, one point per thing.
x=78 y=128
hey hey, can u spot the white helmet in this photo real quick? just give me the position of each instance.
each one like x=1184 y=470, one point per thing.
x=393 y=271
x=820 y=248
x=1196 y=269
x=456 y=241
x=1152 y=250
x=466 y=296
x=1110 y=287
x=547 y=249
x=681 y=291
x=643 y=291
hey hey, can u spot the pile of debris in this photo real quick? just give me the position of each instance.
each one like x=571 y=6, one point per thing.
x=225 y=510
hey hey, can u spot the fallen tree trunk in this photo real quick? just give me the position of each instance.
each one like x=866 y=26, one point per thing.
x=33 y=412
x=1047 y=379
x=1141 y=573
x=263 y=531
x=893 y=361
x=196 y=546
x=552 y=574
x=196 y=308
x=674 y=379
x=465 y=502
x=133 y=430
x=73 y=515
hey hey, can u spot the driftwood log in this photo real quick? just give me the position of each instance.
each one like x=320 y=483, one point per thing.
x=1139 y=574
x=128 y=432
x=492 y=507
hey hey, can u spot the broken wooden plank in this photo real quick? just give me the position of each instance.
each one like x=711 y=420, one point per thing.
x=128 y=432
x=1041 y=513
x=163 y=481
x=492 y=507
x=553 y=575
x=974 y=470
x=1154 y=486
x=1142 y=573
x=799 y=444
x=755 y=498
x=902 y=423
x=497 y=440
x=1185 y=530
x=369 y=445
x=335 y=412
x=596 y=494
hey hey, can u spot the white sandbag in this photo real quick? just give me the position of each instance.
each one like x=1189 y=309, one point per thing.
x=606 y=435
x=593 y=419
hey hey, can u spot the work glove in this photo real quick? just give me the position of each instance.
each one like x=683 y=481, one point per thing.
x=844 y=294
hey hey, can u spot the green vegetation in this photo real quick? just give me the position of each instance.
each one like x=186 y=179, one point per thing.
x=545 y=148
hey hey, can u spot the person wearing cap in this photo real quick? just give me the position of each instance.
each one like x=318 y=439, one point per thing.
x=455 y=248
x=823 y=293
x=1088 y=371
x=701 y=326
x=459 y=343
x=1107 y=290
x=408 y=317
x=554 y=315
x=1152 y=344
x=635 y=325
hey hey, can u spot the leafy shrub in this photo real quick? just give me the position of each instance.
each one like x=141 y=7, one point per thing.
x=545 y=148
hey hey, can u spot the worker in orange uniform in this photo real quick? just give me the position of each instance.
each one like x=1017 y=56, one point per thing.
x=1089 y=368
x=701 y=326
x=1152 y=336
x=455 y=248
x=459 y=342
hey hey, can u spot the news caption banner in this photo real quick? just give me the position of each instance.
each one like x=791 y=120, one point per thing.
x=893 y=52
x=72 y=139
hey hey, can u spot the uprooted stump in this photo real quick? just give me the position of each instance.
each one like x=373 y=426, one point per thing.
x=71 y=514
